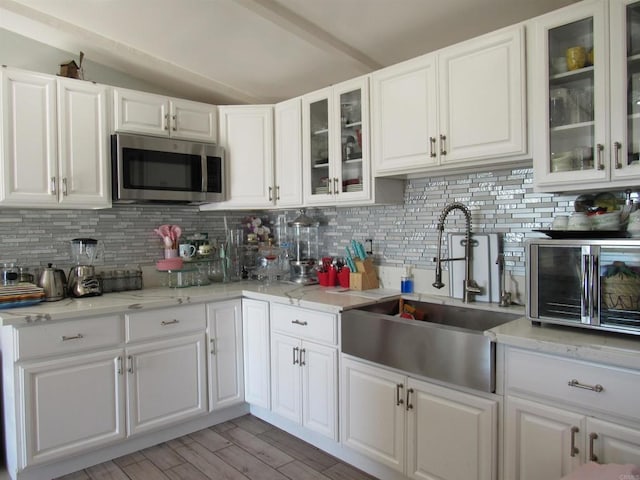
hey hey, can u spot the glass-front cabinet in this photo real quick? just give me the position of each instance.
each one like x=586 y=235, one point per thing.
x=583 y=69
x=336 y=165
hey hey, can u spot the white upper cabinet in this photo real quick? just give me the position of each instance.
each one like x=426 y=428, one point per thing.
x=147 y=113
x=83 y=144
x=246 y=133
x=463 y=106
x=55 y=142
x=585 y=114
x=335 y=138
x=288 y=160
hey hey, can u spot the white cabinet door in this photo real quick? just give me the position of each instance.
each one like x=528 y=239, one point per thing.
x=246 y=133
x=450 y=434
x=482 y=98
x=166 y=382
x=319 y=365
x=83 y=144
x=541 y=442
x=71 y=405
x=29 y=144
x=335 y=137
x=288 y=160
x=140 y=112
x=372 y=412
x=226 y=380
x=255 y=335
x=193 y=120
x=570 y=107
x=286 y=398
x=404 y=123
x=611 y=443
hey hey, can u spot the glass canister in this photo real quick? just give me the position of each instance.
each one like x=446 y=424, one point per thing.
x=9 y=274
x=304 y=249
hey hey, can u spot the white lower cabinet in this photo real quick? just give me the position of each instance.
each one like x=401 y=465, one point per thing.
x=556 y=415
x=255 y=343
x=304 y=377
x=304 y=367
x=423 y=430
x=224 y=326
x=71 y=405
x=166 y=382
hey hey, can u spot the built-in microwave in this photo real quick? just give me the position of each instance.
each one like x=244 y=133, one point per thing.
x=154 y=169
x=585 y=283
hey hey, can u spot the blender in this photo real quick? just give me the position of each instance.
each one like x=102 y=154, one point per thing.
x=304 y=245
x=83 y=281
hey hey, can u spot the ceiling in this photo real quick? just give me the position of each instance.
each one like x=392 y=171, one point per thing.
x=257 y=51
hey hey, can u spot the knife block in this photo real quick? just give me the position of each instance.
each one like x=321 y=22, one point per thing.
x=365 y=278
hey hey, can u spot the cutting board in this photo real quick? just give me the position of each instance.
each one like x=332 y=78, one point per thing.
x=484 y=269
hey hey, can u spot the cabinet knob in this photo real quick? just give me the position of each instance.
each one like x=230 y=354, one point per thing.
x=600 y=149
x=617 y=146
x=592 y=438
x=432 y=147
x=443 y=146
x=409 y=404
x=399 y=399
x=574 y=450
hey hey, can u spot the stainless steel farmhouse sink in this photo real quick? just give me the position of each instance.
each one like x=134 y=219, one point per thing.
x=448 y=344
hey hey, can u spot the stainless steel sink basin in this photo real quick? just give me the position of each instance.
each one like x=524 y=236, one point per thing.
x=448 y=344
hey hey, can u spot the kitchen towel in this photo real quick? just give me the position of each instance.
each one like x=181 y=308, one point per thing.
x=609 y=471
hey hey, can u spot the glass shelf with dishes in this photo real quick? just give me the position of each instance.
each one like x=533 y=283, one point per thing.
x=571 y=97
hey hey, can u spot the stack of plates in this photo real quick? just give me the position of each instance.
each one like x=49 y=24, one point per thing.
x=321 y=190
x=20 y=295
x=354 y=187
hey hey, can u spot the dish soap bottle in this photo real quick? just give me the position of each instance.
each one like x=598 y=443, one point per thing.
x=406 y=280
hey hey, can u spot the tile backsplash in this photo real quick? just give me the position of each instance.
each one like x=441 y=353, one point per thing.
x=501 y=201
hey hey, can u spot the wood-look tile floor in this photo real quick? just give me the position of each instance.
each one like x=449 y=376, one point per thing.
x=245 y=448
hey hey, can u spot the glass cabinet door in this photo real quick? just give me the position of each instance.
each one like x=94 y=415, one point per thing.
x=571 y=85
x=632 y=157
x=351 y=141
x=319 y=147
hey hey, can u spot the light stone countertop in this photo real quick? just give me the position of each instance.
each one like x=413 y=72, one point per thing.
x=622 y=350
x=332 y=300
x=572 y=342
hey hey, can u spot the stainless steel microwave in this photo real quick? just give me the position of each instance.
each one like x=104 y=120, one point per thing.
x=154 y=169
x=585 y=283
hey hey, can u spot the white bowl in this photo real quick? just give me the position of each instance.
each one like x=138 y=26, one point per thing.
x=579 y=221
x=606 y=221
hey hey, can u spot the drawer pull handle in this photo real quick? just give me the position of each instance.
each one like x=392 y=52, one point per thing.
x=303 y=353
x=120 y=366
x=399 y=399
x=164 y=323
x=130 y=360
x=213 y=346
x=409 y=404
x=592 y=438
x=574 y=449
x=73 y=337
x=295 y=359
x=298 y=322
x=595 y=388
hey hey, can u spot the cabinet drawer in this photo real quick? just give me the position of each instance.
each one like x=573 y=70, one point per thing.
x=303 y=323
x=549 y=376
x=66 y=337
x=164 y=322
